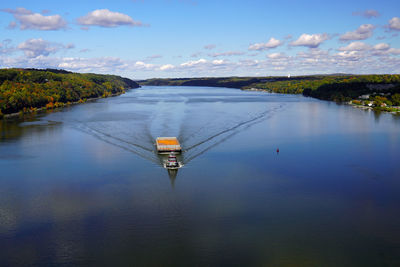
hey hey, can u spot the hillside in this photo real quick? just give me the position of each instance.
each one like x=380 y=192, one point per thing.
x=28 y=89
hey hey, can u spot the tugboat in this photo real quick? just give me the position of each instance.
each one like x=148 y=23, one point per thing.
x=172 y=163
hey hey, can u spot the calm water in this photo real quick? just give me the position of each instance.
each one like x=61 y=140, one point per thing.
x=84 y=186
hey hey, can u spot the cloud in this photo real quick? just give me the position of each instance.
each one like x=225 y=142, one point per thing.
x=38 y=47
x=12 y=25
x=359 y=50
x=369 y=13
x=384 y=49
x=310 y=40
x=142 y=65
x=5 y=47
x=394 y=51
x=167 y=67
x=227 y=54
x=108 y=19
x=381 y=46
x=272 y=43
x=312 y=61
x=210 y=46
x=17 y=11
x=193 y=63
x=35 y=21
x=355 y=46
x=313 y=53
x=106 y=64
x=276 y=56
x=363 y=32
x=394 y=24
x=350 y=55
x=219 y=62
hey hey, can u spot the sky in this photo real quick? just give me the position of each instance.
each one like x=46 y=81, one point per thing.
x=142 y=39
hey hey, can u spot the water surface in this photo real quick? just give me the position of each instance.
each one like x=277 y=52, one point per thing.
x=84 y=186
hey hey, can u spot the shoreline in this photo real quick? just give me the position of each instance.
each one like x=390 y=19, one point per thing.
x=42 y=109
x=372 y=109
x=351 y=104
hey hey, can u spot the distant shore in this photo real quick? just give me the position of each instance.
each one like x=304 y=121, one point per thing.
x=382 y=90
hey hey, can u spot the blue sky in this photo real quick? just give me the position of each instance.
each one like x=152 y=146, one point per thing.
x=192 y=38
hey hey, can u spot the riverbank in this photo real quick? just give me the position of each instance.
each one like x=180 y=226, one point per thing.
x=43 y=109
x=395 y=110
x=30 y=90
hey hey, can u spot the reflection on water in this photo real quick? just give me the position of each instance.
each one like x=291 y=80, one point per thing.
x=85 y=186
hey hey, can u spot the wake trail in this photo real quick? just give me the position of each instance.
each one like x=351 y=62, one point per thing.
x=108 y=139
x=228 y=130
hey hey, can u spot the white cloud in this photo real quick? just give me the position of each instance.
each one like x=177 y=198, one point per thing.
x=381 y=46
x=355 y=46
x=227 y=54
x=107 y=18
x=193 y=63
x=39 y=47
x=394 y=51
x=35 y=21
x=167 y=67
x=142 y=65
x=310 y=40
x=218 y=62
x=102 y=65
x=394 y=24
x=350 y=55
x=369 y=13
x=272 y=43
x=353 y=58
x=276 y=55
x=363 y=32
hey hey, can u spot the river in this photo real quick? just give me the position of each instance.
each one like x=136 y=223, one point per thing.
x=84 y=185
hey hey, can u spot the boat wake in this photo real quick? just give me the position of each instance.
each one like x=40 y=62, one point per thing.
x=182 y=116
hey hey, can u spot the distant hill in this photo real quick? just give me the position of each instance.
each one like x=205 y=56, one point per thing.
x=28 y=89
x=336 y=87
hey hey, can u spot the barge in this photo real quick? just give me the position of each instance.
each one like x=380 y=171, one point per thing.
x=166 y=145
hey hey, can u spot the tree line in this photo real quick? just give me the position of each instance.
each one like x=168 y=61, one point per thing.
x=28 y=89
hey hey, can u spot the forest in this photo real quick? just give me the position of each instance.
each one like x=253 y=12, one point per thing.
x=26 y=90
